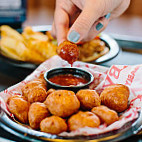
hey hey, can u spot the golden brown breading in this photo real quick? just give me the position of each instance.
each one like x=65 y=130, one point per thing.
x=88 y=98
x=115 y=97
x=19 y=107
x=83 y=119
x=26 y=89
x=37 y=94
x=35 y=91
x=62 y=103
x=68 y=51
x=37 y=112
x=15 y=96
x=105 y=114
x=53 y=125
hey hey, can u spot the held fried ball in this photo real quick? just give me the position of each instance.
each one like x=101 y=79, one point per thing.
x=105 y=114
x=53 y=125
x=62 y=103
x=115 y=97
x=37 y=112
x=83 y=119
x=68 y=51
x=19 y=107
x=88 y=99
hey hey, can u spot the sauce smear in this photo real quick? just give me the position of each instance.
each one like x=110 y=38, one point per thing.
x=68 y=80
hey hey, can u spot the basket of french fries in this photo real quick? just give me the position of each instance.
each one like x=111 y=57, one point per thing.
x=29 y=46
x=36 y=47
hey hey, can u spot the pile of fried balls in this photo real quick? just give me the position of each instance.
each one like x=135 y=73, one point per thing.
x=56 y=111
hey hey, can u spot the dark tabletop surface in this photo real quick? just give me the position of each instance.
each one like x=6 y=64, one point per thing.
x=10 y=75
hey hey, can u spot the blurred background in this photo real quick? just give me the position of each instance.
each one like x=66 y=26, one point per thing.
x=40 y=12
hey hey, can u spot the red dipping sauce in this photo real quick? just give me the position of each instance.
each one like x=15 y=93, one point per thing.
x=68 y=80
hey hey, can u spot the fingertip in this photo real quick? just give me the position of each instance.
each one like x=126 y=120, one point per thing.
x=107 y=16
x=102 y=23
x=99 y=26
x=61 y=25
x=53 y=31
x=73 y=36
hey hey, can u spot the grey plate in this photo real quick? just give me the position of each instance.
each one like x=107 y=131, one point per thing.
x=127 y=130
x=110 y=43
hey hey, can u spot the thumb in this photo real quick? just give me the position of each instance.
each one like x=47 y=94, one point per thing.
x=83 y=24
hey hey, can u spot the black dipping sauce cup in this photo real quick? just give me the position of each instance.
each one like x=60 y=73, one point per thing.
x=64 y=71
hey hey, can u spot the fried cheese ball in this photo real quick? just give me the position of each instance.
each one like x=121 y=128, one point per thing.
x=105 y=114
x=19 y=107
x=53 y=125
x=35 y=91
x=37 y=112
x=88 y=99
x=62 y=103
x=37 y=94
x=68 y=51
x=26 y=89
x=115 y=97
x=83 y=119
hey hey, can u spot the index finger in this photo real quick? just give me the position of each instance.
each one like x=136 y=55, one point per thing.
x=61 y=21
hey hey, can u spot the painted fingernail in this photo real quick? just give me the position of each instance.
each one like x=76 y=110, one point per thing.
x=74 y=36
x=99 y=26
x=107 y=16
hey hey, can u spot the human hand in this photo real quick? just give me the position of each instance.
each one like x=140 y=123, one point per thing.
x=82 y=20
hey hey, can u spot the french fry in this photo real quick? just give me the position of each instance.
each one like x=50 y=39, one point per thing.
x=14 y=48
x=30 y=46
x=44 y=48
x=51 y=39
x=29 y=34
x=33 y=57
x=5 y=51
x=51 y=50
x=7 y=31
x=49 y=36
